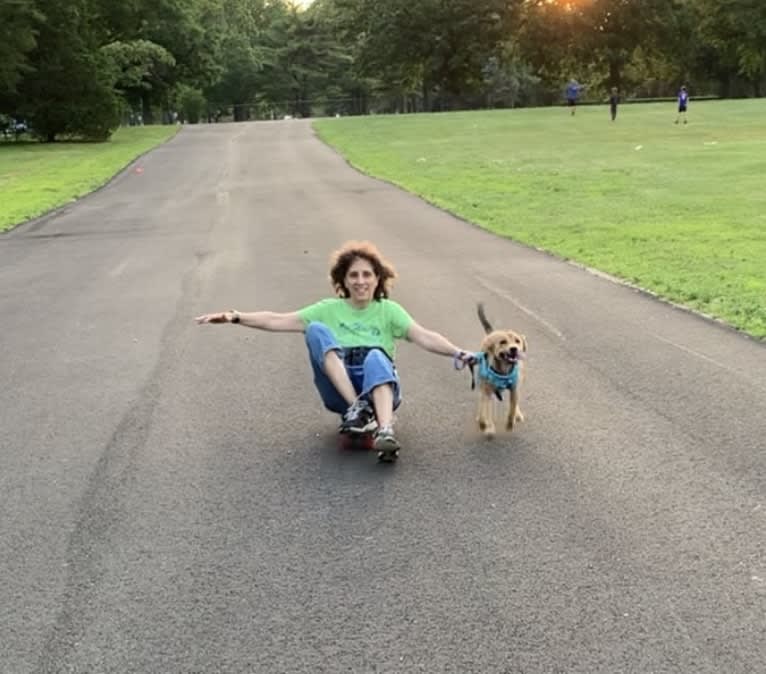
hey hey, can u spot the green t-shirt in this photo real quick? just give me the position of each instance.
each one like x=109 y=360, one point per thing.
x=378 y=324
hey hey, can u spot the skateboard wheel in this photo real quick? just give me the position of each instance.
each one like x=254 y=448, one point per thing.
x=388 y=456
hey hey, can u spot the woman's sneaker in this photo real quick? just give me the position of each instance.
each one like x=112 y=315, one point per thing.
x=359 y=418
x=386 y=444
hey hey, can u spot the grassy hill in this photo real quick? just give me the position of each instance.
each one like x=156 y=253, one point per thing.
x=676 y=209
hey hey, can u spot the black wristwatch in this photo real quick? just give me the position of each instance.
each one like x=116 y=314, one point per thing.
x=235 y=317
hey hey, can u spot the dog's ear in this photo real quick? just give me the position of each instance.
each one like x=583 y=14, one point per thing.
x=523 y=343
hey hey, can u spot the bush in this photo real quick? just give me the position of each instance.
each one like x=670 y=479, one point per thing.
x=192 y=103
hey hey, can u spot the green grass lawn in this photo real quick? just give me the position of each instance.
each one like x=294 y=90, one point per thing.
x=37 y=177
x=679 y=210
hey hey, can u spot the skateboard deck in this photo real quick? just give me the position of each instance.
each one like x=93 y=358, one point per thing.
x=365 y=441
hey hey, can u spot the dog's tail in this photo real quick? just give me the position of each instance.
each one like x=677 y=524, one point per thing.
x=483 y=318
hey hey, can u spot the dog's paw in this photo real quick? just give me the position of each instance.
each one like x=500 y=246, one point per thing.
x=488 y=429
x=519 y=415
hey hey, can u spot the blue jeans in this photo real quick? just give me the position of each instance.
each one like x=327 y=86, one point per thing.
x=376 y=370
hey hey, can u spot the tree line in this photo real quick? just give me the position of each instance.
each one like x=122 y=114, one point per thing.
x=80 y=67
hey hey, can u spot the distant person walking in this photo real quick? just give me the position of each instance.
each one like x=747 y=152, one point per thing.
x=572 y=94
x=683 y=104
x=614 y=100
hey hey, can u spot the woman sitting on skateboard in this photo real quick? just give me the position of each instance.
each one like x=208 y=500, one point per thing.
x=351 y=342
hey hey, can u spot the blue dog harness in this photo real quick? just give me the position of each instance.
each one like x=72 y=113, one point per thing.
x=500 y=382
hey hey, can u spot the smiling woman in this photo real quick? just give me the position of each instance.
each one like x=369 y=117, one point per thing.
x=351 y=342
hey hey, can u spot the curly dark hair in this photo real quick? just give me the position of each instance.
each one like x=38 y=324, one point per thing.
x=343 y=258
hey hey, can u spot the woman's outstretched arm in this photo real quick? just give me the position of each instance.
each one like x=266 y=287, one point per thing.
x=261 y=320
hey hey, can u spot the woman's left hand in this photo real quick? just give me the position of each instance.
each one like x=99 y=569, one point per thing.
x=463 y=358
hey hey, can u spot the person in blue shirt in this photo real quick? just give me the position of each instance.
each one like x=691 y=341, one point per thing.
x=683 y=103
x=572 y=93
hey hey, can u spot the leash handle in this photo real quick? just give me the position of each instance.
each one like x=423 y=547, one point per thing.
x=463 y=358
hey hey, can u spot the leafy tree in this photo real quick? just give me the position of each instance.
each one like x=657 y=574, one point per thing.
x=548 y=36
x=243 y=55
x=618 y=27
x=508 y=78
x=19 y=21
x=736 y=31
x=69 y=90
x=138 y=66
x=301 y=56
x=438 y=46
x=190 y=31
x=65 y=65
x=192 y=103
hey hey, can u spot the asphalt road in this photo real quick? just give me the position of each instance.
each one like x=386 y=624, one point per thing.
x=172 y=498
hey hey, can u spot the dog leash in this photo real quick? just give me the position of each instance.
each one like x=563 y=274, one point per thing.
x=459 y=361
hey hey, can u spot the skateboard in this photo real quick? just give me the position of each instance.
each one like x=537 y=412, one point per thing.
x=366 y=442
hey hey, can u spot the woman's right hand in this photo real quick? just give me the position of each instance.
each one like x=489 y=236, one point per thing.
x=220 y=317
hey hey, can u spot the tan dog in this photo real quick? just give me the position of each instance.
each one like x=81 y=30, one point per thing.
x=500 y=368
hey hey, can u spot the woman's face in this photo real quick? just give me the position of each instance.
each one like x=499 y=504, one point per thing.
x=361 y=281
